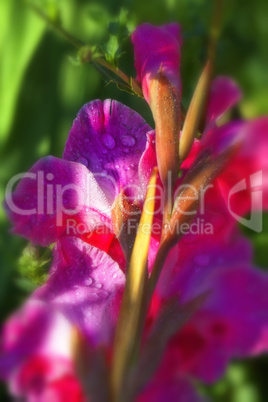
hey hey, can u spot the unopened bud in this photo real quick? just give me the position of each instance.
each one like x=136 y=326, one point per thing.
x=165 y=105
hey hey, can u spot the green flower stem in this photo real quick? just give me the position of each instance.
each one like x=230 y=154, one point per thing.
x=131 y=82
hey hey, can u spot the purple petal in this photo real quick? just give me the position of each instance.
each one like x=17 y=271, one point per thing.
x=109 y=138
x=86 y=285
x=188 y=276
x=56 y=198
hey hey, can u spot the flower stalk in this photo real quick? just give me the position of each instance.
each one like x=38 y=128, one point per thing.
x=130 y=322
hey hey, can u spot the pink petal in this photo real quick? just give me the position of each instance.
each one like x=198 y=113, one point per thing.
x=155 y=48
x=148 y=158
x=109 y=138
x=224 y=95
x=85 y=284
x=244 y=182
x=31 y=331
x=42 y=378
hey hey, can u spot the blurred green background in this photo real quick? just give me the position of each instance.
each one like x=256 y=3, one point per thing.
x=42 y=87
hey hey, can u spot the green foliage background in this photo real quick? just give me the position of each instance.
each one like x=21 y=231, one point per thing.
x=42 y=87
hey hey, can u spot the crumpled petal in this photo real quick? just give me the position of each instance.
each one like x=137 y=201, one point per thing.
x=110 y=138
x=155 y=48
x=86 y=285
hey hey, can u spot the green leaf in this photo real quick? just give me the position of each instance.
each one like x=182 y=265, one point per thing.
x=21 y=32
x=118 y=31
x=33 y=266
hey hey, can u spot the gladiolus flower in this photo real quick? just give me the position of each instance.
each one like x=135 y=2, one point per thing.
x=209 y=304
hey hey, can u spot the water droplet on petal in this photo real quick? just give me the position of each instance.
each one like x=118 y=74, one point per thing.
x=83 y=161
x=88 y=282
x=114 y=276
x=128 y=140
x=108 y=141
x=98 y=285
x=91 y=296
x=102 y=294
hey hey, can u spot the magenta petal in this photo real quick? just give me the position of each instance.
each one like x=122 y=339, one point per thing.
x=224 y=95
x=244 y=182
x=53 y=198
x=148 y=159
x=240 y=296
x=229 y=325
x=170 y=389
x=228 y=137
x=188 y=276
x=155 y=48
x=85 y=284
x=31 y=331
x=109 y=138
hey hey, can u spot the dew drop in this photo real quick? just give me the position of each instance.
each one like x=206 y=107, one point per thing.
x=98 y=285
x=128 y=140
x=102 y=294
x=88 y=282
x=114 y=276
x=92 y=296
x=108 y=141
x=83 y=161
